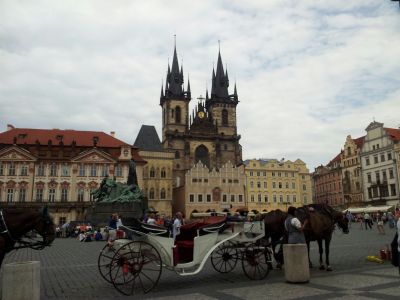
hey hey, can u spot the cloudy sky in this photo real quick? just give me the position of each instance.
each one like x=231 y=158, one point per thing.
x=308 y=72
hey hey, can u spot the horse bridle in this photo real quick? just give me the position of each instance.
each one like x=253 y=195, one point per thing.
x=33 y=244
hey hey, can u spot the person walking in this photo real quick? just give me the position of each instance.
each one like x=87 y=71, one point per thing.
x=379 y=224
x=294 y=228
x=367 y=221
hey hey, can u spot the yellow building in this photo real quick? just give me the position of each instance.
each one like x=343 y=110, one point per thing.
x=215 y=190
x=273 y=184
x=157 y=173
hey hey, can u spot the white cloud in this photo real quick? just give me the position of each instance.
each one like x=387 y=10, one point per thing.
x=308 y=72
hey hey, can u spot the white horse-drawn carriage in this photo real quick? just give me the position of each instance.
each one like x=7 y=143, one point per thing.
x=133 y=265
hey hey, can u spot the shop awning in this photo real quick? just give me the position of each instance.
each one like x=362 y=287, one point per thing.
x=368 y=209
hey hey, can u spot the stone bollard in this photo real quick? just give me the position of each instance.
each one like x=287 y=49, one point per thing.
x=21 y=281
x=296 y=263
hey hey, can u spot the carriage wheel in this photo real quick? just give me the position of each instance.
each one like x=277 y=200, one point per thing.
x=135 y=266
x=255 y=262
x=104 y=261
x=225 y=257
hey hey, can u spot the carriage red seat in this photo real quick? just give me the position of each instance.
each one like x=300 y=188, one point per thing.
x=184 y=242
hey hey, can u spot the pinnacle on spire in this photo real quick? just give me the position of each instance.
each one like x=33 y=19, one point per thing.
x=220 y=81
x=162 y=90
x=188 y=86
x=174 y=81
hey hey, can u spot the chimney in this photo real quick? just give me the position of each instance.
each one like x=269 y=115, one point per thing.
x=112 y=133
x=10 y=127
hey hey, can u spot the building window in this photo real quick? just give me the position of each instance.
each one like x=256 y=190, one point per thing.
x=287 y=185
x=273 y=184
x=259 y=197
x=252 y=198
x=367 y=161
x=81 y=195
x=393 y=190
x=258 y=174
x=240 y=198
x=64 y=195
x=375 y=159
x=40 y=170
x=305 y=199
x=200 y=198
x=369 y=177
x=39 y=195
x=224 y=198
x=62 y=220
x=378 y=179
x=273 y=174
x=53 y=169
x=151 y=193
x=391 y=174
x=177 y=155
x=22 y=194
x=264 y=173
x=382 y=157
x=280 y=198
x=177 y=114
x=294 y=199
x=208 y=197
x=280 y=184
x=251 y=184
x=224 y=117
x=287 y=198
x=265 y=198
x=82 y=170
x=10 y=195
x=258 y=184
x=191 y=198
x=93 y=170
x=1 y=168
x=118 y=171
x=11 y=169
x=251 y=173
x=293 y=185
x=24 y=170
x=279 y=174
x=104 y=171
x=274 y=197
x=152 y=173
x=163 y=173
x=232 y=198
x=65 y=170
x=162 y=193
x=52 y=195
x=304 y=187
x=389 y=156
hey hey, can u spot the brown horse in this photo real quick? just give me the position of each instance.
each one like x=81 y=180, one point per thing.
x=15 y=223
x=321 y=224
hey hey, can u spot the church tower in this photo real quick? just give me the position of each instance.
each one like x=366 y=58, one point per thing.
x=209 y=133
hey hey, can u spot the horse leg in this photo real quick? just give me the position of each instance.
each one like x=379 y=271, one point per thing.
x=308 y=251
x=321 y=251
x=327 y=243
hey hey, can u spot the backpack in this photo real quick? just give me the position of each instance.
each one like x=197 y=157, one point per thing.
x=395 y=251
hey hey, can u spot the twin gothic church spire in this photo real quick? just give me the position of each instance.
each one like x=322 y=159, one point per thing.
x=174 y=88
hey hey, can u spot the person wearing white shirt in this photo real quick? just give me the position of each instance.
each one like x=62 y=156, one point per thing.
x=176 y=227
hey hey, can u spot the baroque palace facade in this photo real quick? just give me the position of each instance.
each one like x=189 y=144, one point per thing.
x=60 y=168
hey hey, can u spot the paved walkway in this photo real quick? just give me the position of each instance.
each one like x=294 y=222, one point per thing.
x=69 y=271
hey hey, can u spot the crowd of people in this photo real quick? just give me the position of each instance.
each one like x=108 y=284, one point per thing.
x=367 y=220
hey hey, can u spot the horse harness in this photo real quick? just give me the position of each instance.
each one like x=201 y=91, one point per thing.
x=33 y=244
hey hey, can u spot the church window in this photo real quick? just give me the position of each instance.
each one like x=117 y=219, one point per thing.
x=224 y=117
x=177 y=155
x=177 y=114
x=163 y=173
x=151 y=194
x=152 y=172
x=162 y=193
x=202 y=154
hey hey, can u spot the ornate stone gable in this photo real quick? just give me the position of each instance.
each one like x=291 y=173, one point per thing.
x=93 y=156
x=15 y=153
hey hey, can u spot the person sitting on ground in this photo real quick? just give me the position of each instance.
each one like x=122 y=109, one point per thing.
x=98 y=236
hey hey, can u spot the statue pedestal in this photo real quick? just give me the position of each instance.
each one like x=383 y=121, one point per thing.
x=99 y=214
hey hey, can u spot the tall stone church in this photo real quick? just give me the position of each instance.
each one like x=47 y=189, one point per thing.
x=208 y=133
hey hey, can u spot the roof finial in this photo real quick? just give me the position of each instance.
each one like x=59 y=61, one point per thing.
x=219 y=45
x=175 y=40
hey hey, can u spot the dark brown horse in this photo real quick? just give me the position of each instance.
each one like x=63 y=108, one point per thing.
x=321 y=224
x=15 y=223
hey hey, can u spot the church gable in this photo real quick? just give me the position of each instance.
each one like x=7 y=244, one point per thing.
x=15 y=153
x=93 y=156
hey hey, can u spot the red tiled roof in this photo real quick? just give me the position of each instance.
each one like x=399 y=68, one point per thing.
x=393 y=133
x=359 y=141
x=337 y=159
x=82 y=138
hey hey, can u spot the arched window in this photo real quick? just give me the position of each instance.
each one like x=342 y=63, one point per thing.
x=177 y=155
x=162 y=193
x=177 y=114
x=151 y=194
x=202 y=154
x=163 y=173
x=152 y=172
x=224 y=117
